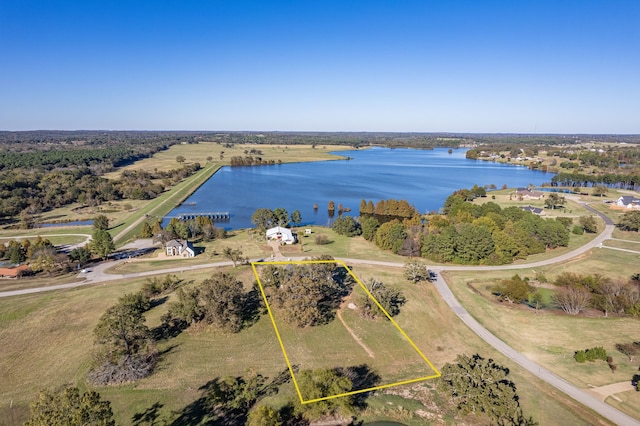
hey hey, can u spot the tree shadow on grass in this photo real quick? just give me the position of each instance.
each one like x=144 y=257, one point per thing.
x=209 y=410
x=362 y=377
x=158 y=301
x=168 y=329
x=148 y=416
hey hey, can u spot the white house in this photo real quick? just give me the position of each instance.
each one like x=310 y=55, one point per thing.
x=180 y=248
x=281 y=234
x=629 y=202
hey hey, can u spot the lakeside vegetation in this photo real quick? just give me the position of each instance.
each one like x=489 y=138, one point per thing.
x=178 y=386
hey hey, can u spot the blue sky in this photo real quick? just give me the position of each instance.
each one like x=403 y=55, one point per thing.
x=558 y=66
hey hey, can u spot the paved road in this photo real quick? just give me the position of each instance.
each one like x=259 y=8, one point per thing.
x=98 y=275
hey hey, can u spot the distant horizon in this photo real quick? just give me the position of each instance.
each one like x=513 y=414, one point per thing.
x=323 y=131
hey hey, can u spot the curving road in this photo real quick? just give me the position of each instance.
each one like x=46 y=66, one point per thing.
x=98 y=275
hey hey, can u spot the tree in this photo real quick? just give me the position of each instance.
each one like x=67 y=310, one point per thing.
x=390 y=236
x=146 y=231
x=80 y=254
x=101 y=222
x=389 y=298
x=600 y=191
x=48 y=260
x=67 y=407
x=296 y=218
x=630 y=221
x=281 y=216
x=473 y=243
x=369 y=227
x=186 y=310
x=513 y=290
x=126 y=349
x=180 y=159
x=27 y=220
x=234 y=255
x=101 y=243
x=554 y=200
x=307 y=295
x=263 y=218
x=478 y=385
x=415 y=271
x=222 y=298
x=572 y=299
x=322 y=383
x=589 y=224
x=264 y=416
x=346 y=225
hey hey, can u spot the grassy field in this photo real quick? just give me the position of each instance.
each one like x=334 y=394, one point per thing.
x=551 y=337
x=46 y=341
x=198 y=153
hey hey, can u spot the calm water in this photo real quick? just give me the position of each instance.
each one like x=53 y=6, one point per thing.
x=424 y=178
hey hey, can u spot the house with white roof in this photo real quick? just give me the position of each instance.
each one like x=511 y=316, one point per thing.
x=281 y=234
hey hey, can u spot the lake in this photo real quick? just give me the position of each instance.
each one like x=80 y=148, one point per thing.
x=423 y=177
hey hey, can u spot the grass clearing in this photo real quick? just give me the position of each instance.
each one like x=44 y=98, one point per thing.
x=627 y=402
x=551 y=337
x=379 y=344
x=46 y=340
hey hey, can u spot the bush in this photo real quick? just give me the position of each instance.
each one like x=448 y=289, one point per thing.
x=577 y=230
x=322 y=239
x=346 y=225
x=591 y=354
x=594 y=354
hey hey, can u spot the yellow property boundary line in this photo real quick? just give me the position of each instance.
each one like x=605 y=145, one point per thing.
x=284 y=352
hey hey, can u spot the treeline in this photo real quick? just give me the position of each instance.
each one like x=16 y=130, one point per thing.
x=251 y=161
x=576 y=292
x=619 y=180
x=488 y=234
x=32 y=191
x=398 y=209
x=79 y=157
x=466 y=233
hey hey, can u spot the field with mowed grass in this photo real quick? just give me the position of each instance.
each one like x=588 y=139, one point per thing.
x=221 y=155
x=551 y=337
x=46 y=341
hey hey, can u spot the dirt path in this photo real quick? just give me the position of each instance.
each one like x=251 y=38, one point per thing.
x=603 y=392
x=355 y=337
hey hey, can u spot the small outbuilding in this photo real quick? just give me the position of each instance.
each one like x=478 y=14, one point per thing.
x=281 y=234
x=180 y=248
